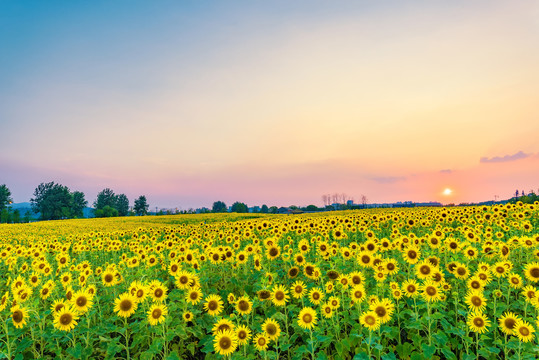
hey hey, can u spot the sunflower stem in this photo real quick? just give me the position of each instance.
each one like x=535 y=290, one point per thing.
x=126 y=337
x=8 y=343
x=312 y=343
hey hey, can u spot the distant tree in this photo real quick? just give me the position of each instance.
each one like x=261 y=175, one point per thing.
x=27 y=216
x=264 y=209
x=273 y=210
x=107 y=211
x=239 y=207
x=5 y=197
x=363 y=200
x=122 y=205
x=141 y=206
x=311 y=208
x=53 y=201
x=5 y=216
x=16 y=216
x=219 y=207
x=104 y=198
x=78 y=204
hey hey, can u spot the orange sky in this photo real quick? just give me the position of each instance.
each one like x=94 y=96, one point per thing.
x=274 y=105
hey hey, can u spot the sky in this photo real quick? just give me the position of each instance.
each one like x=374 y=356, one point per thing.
x=277 y=103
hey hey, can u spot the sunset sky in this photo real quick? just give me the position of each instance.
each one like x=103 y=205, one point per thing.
x=275 y=102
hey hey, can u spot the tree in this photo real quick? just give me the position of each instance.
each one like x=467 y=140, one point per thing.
x=104 y=198
x=107 y=211
x=239 y=207
x=273 y=210
x=219 y=207
x=5 y=197
x=264 y=209
x=53 y=201
x=16 y=217
x=78 y=204
x=311 y=208
x=122 y=205
x=141 y=206
x=363 y=200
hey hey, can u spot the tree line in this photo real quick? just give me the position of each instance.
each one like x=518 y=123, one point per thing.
x=53 y=201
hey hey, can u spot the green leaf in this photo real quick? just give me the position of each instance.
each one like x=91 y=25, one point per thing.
x=448 y=353
x=404 y=350
x=361 y=356
x=428 y=350
x=173 y=356
x=389 y=356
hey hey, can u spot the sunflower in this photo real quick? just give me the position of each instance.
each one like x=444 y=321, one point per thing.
x=187 y=316
x=157 y=313
x=529 y=293
x=222 y=325
x=57 y=305
x=515 y=281
x=357 y=278
x=293 y=272
x=243 y=334
x=474 y=283
x=410 y=288
x=4 y=300
x=383 y=309
x=430 y=291
x=244 y=306
x=327 y=310
x=298 y=289
x=531 y=271
x=423 y=269
x=461 y=271
x=370 y=320
x=344 y=280
x=19 y=315
x=109 y=278
x=125 y=305
x=272 y=252
x=194 y=296
x=364 y=258
x=279 y=295
x=66 y=318
x=391 y=266
x=478 y=322
x=412 y=254
x=307 y=318
x=476 y=300
x=225 y=342
x=357 y=294
x=507 y=322
x=213 y=305
x=316 y=295
x=82 y=301
x=524 y=331
x=271 y=329
x=183 y=280
x=158 y=292
x=261 y=342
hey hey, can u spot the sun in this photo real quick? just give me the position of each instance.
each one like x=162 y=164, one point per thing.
x=447 y=191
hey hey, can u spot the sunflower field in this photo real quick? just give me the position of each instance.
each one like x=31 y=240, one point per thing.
x=418 y=283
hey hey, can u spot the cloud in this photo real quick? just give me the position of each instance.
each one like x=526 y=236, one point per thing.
x=388 y=179
x=497 y=159
x=446 y=171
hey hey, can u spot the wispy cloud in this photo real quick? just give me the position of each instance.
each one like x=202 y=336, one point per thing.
x=446 y=171
x=388 y=179
x=498 y=159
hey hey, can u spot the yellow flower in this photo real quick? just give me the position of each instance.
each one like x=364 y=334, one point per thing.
x=307 y=318
x=66 y=318
x=19 y=315
x=225 y=342
x=125 y=305
x=213 y=305
x=157 y=313
x=271 y=328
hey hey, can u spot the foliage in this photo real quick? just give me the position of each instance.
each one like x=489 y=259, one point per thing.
x=53 y=201
x=5 y=197
x=472 y=269
x=219 y=207
x=141 y=206
x=107 y=198
x=122 y=205
x=78 y=204
x=239 y=207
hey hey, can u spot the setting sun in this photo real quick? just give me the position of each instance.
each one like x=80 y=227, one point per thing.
x=447 y=191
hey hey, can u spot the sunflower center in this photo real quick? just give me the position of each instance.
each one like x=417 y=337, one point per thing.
x=273 y=252
x=193 y=295
x=410 y=288
x=391 y=266
x=271 y=329
x=17 y=316
x=412 y=254
x=212 y=305
x=380 y=311
x=158 y=293
x=81 y=301
x=370 y=320
x=184 y=279
x=510 y=323
x=242 y=334
x=279 y=295
x=425 y=269
x=461 y=271
x=365 y=259
x=243 y=305
x=109 y=278
x=535 y=273
x=261 y=341
x=225 y=343
x=476 y=301
x=174 y=268
x=307 y=318
x=66 y=319
x=478 y=322
x=524 y=331
x=316 y=296
x=431 y=290
x=126 y=305
x=156 y=313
